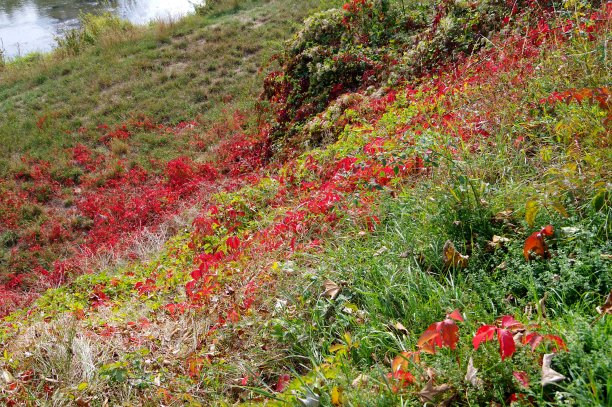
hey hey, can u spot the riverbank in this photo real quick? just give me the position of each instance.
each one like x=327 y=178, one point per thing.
x=114 y=97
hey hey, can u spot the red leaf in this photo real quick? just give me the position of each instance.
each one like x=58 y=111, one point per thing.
x=506 y=343
x=194 y=366
x=535 y=244
x=450 y=333
x=281 y=384
x=233 y=242
x=189 y=287
x=430 y=338
x=547 y=230
x=522 y=378
x=402 y=378
x=533 y=339
x=440 y=334
x=456 y=315
x=196 y=274
x=508 y=322
x=485 y=333
x=558 y=341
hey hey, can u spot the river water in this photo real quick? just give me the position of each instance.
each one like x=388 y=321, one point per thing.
x=32 y=25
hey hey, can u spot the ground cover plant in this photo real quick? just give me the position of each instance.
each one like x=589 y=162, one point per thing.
x=435 y=231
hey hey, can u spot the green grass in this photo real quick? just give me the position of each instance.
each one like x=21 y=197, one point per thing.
x=200 y=67
x=395 y=275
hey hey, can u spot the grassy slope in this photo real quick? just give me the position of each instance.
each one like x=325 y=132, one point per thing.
x=198 y=70
x=170 y=72
x=151 y=342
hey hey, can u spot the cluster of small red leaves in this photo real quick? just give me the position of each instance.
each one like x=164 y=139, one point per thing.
x=445 y=333
x=508 y=330
x=601 y=96
x=110 y=205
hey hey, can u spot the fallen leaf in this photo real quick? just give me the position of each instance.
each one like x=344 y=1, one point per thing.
x=311 y=400
x=429 y=392
x=360 y=381
x=548 y=374
x=503 y=216
x=497 y=242
x=452 y=258
x=607 y=307
x=7 y=376
x=380 y=251
x=471 y=375
x=401 y=328
x=542 y=305
x=332 y=290
x=569 y=230
x=402 y=361
x=405 y=255
x=81 y=403
x=336 y=396
x=281 y=384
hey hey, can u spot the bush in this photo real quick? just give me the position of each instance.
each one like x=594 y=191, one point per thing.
x=93 y=29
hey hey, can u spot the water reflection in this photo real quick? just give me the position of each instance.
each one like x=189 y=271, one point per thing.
x=31 y=25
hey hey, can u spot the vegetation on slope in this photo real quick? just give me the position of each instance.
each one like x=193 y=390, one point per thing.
x=108 y=137
x=437 y=232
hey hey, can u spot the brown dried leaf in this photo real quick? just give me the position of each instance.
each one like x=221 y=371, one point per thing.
x=380 y=251
x=401 y=328
x=452 y=258
x=548 y=374
x=607 y=307
x=471 y=375
x=360 y=381
x=503 y=216
x=429 y=392
x=332 y=290
x=498 y=242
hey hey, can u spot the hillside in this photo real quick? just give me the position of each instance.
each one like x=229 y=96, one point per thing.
x=405 y=203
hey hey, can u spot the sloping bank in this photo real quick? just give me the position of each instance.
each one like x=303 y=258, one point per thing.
x=399 y=252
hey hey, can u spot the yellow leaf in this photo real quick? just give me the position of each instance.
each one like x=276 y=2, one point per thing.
x=336 y=396
x=83 y=386
x=531 y=210
x=335 y=348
